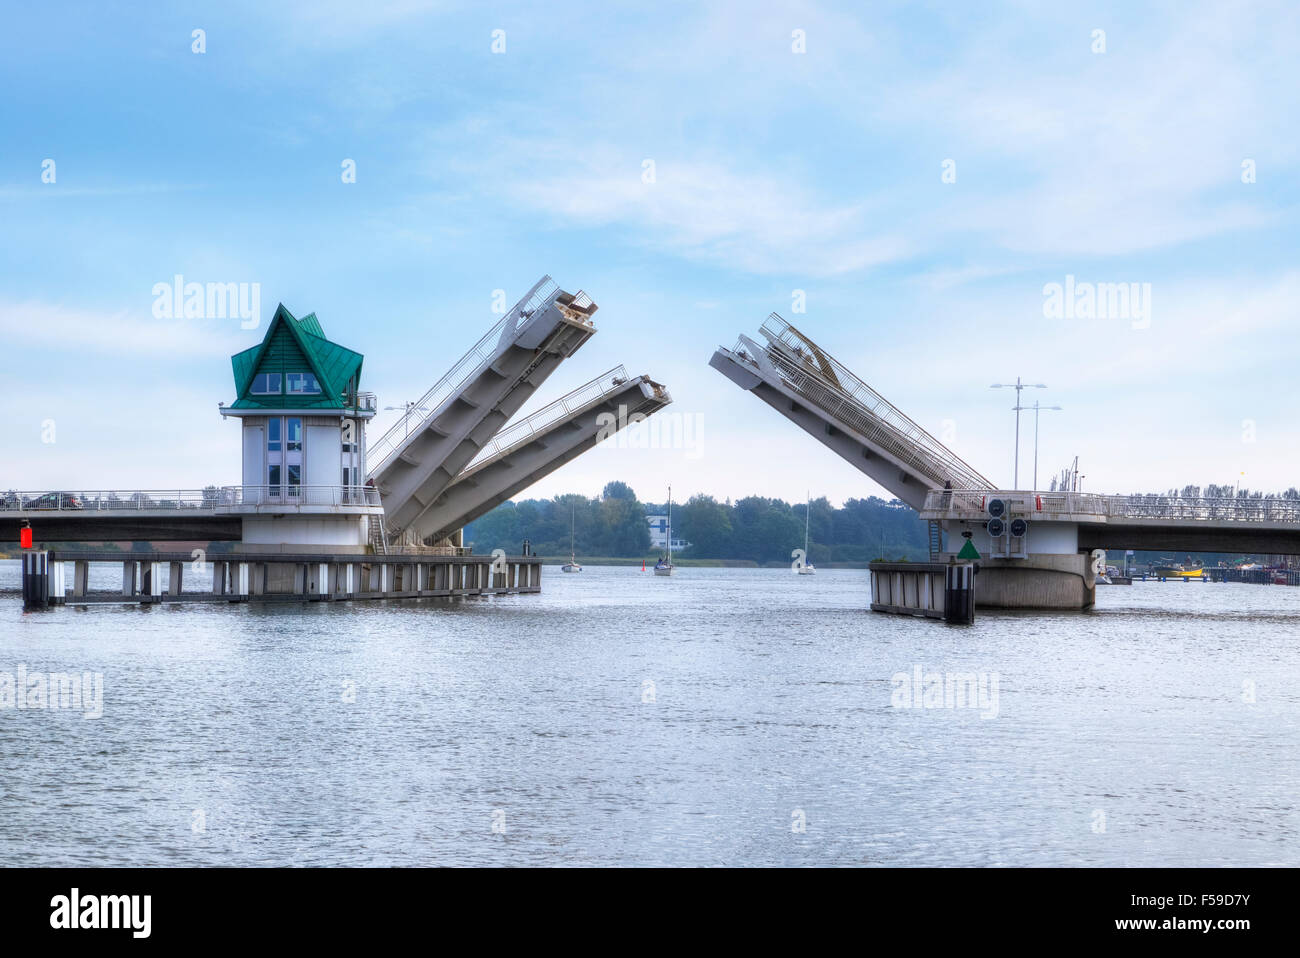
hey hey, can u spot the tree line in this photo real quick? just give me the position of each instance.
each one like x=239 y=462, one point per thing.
x=754 y=529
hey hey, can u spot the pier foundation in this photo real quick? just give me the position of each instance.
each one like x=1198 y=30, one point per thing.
x=265 y=576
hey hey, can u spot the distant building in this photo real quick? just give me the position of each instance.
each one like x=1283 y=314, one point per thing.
x=659 y=534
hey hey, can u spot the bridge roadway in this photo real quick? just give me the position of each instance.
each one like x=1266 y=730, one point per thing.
x=1143 y=522
x=170 y=515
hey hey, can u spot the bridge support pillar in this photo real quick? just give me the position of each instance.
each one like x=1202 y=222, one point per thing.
x=36 y=580
x=1037 y=582
x=80 y=578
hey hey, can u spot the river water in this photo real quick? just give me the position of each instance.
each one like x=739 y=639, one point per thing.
x=720 y=717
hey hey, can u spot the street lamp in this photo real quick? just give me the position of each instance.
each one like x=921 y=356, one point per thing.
x=407 y=407
x=1017 y=386
x=1036 y=408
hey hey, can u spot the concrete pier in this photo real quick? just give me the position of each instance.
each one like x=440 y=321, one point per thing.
x=934 y=590
x=262 y=576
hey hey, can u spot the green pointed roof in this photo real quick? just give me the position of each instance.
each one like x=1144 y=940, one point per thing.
x=293 y=345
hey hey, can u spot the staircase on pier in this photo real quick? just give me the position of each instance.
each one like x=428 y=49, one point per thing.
x=800 y=380
x=415 y=461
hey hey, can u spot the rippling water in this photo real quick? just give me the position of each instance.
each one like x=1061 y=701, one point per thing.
x=619 y=719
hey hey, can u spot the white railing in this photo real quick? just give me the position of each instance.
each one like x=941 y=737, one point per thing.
x=972 y=504
x=935 y=465
x=162 y=500
x=516 y=434
x=300 y=495
x=480 y=354
x=813 y=372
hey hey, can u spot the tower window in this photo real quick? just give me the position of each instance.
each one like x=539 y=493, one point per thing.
x=266 y=384
x=303 y=384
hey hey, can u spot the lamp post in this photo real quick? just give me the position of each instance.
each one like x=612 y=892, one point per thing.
x=1036 y=408
x=408 y=406
x=1017 y=386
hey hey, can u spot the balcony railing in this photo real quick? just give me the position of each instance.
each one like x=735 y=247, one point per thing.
x=209 y=499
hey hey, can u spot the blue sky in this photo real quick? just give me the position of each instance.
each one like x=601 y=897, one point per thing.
x=775 y=171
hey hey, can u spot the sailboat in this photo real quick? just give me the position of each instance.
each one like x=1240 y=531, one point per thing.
x=807 y=568
x=572 y=564
x=665 y=565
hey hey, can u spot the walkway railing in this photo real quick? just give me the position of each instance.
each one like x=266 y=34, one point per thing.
x=821 y=379
x=972 y=504
x=519 y=433
x=802 y=356
x=209 y=499
x=480 y=354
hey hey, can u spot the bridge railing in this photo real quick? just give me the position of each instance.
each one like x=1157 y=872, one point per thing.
x=1203 y=508
x=516 y=434
x=208 y=499
x=935 y=463
x=479 y=355
x=972 y=504
x=810 y=368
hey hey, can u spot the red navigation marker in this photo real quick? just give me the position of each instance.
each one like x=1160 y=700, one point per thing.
x=25 y=537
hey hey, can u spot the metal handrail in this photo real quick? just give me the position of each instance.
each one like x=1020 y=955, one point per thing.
x=936 y=466
x=972 y=503
x=211 y=498
x=479 y=355
x=807 y=363
x=516 y=434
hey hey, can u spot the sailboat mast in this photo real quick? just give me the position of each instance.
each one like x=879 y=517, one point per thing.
x=670 y=525
x=807 y=510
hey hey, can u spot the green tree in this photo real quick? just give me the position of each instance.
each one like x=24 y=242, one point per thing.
x=706 y=524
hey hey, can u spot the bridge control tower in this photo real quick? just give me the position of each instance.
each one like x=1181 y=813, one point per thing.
x=303 y=421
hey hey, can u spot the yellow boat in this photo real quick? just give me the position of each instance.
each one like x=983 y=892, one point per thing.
x=1178 y=572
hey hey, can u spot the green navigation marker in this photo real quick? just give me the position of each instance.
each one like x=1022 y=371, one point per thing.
x=968 y=551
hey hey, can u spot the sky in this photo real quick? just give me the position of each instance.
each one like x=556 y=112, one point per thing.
x=904 y=182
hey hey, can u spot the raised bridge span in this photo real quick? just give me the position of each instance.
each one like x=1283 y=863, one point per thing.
x=1049 y=564
x=423 y=452
x=823 y=397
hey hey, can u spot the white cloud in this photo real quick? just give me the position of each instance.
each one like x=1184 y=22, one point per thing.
x=708 y=211
x=71 y=330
